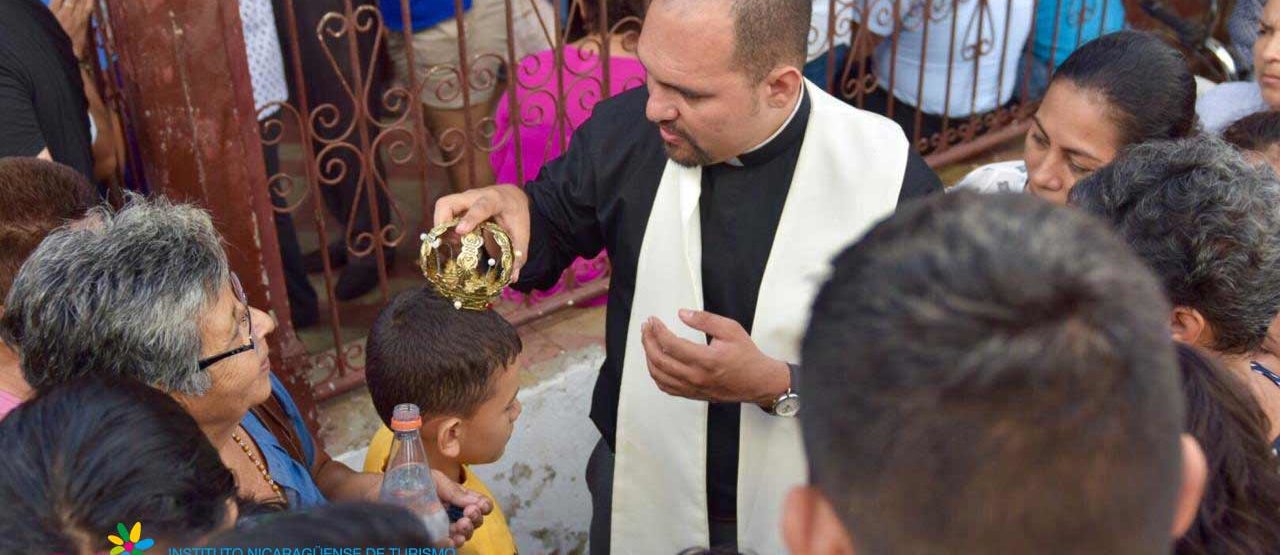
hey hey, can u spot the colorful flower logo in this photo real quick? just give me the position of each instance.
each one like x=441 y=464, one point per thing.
x=130 y=542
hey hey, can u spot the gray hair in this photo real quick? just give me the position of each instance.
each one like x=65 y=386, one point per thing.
x=122 y=294
x=1207 y=221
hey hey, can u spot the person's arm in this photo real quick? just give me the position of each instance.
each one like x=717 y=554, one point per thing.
x=19 y=130
x=880 y=26
x=106 y=146
x=562 y=209
x=551 y=221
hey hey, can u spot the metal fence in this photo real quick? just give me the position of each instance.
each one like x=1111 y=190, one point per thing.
x=381 y=122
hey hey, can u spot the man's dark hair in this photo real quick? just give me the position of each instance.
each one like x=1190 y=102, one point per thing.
x=993 y=374
x=94 y=452
x=1255 y=132
x=1240 y=511
x=770 y=33
x=36 y=197
x=424 y=351
x=1207 y=222
x=334 y=525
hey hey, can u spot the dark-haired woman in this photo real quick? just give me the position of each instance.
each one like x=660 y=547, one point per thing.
x=1117 y=90
x=1240 y=511
x=90 y=455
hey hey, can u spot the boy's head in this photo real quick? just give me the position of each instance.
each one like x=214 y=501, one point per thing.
x=991 y=374
x=1257 y=135
x=458 y=366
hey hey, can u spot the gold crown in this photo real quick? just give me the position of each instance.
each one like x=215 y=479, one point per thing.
x=462 y=278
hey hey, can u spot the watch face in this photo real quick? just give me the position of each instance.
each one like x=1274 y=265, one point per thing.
x=787 y=406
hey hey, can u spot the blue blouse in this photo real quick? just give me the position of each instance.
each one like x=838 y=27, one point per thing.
x=293 y=477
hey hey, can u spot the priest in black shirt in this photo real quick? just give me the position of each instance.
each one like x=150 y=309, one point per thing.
x=721 y=190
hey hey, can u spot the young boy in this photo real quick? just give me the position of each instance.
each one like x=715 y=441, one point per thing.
x=459 y=367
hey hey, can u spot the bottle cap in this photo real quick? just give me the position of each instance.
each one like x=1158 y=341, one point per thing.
x=405 y=418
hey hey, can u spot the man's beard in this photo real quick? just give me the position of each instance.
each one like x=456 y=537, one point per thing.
x=690 y=154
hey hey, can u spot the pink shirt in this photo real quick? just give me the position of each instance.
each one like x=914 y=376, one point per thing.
x=543 y=137
x=8 y=402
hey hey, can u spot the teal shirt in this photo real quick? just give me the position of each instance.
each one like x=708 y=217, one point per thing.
x=1100 y=17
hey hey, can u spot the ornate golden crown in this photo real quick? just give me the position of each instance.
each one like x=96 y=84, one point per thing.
x=463 y=278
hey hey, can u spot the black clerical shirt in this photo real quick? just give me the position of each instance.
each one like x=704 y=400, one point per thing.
x=599 y=193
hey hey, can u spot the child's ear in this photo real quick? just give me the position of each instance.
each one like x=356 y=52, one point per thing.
x=449 y=437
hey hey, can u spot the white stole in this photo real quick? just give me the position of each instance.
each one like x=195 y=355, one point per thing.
x=847 y=177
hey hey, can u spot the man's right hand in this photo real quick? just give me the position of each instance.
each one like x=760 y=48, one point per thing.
x=506 y=205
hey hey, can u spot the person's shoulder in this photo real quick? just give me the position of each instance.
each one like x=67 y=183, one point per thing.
x=618 y=124
x=495 y=536
x=857 y=122
x=375 y=459
x=998 y=177
x=1227 y=92
x=622 y=108
x=1225 y=103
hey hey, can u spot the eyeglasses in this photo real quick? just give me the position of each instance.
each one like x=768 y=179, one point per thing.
x=239 y=291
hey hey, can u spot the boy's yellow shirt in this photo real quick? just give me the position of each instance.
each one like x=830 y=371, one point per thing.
x=491 y=538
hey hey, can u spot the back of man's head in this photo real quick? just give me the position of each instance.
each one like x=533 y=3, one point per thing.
x=36 y=197
x=993 y=375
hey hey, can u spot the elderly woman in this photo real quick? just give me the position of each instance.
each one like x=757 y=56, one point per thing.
x=146 y=293
x=1205 y=219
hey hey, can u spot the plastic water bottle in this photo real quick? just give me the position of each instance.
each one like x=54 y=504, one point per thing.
x=407 y=481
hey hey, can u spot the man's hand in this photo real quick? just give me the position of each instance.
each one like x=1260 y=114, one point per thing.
x=73 y=16
x=507 y=205
x=730 y=369
x=474 y=507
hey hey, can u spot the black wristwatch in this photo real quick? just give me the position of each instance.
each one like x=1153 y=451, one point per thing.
x=787 y=404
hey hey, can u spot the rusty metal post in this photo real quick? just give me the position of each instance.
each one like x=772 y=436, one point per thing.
x=186 y=81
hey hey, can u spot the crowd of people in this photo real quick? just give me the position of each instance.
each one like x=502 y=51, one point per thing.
x=810 y=347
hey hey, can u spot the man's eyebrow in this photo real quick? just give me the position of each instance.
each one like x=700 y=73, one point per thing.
x=684 y=91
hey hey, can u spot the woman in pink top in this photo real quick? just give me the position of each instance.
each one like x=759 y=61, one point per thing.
x=544 y=132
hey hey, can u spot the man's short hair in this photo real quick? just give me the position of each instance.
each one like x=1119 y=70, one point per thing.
x=1207 y=221
x=770 y=33
x=36 y=197
x=424 y=351
x=1255 y=132
x=993 y=374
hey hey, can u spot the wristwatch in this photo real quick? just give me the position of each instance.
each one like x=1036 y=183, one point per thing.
x=787 y=404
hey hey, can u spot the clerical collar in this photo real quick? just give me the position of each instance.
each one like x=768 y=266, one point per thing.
x=791 y=131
